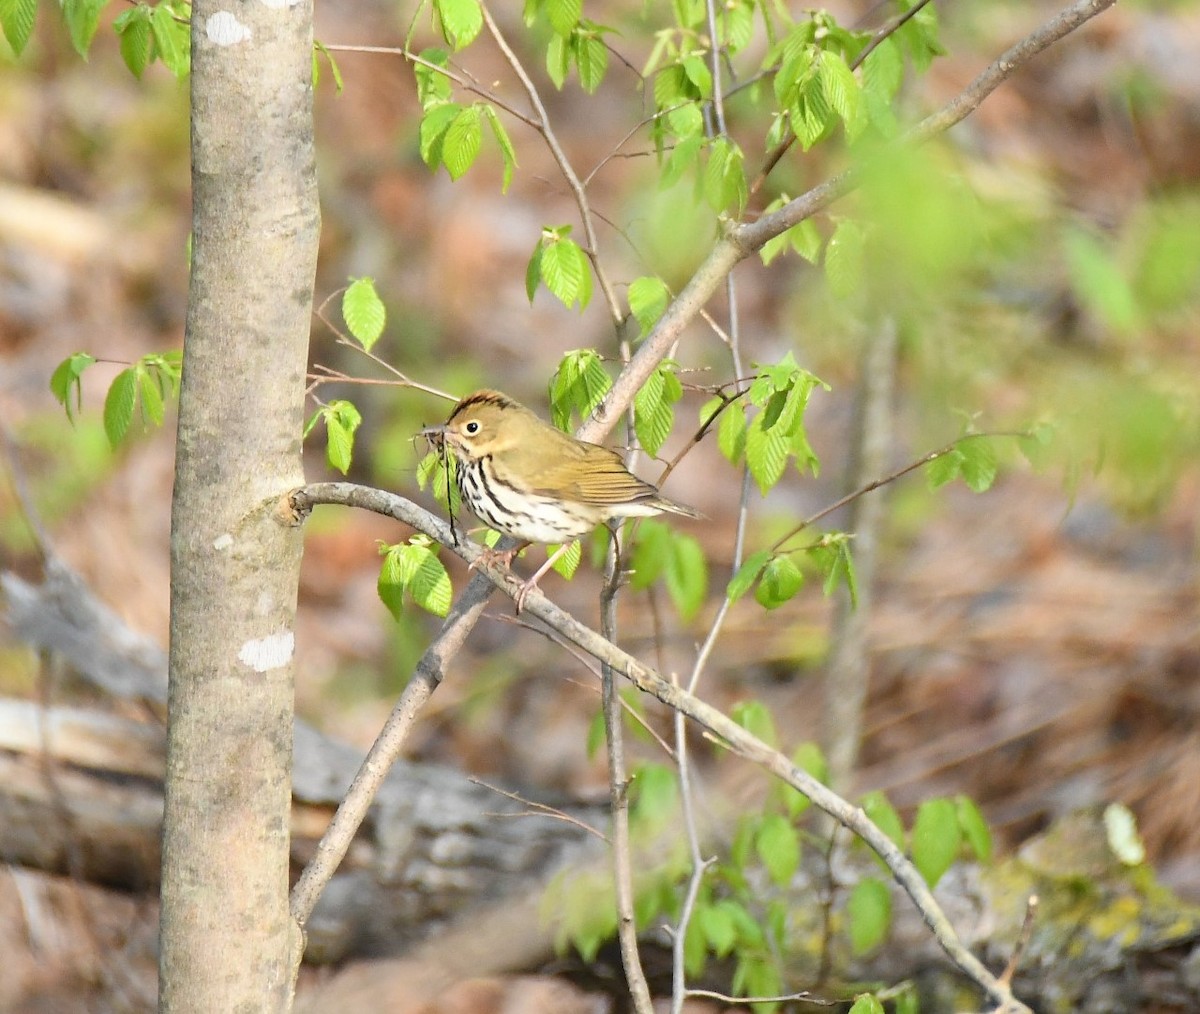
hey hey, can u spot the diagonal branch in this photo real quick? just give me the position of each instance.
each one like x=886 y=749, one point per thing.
x=650 y=681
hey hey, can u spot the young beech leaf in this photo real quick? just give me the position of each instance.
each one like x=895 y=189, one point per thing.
x=462 y=141
x=936 y=837
x=364 y=312
x=974 y=828
x=461 y=21
x=869 y=914
x=755 y=717
x=748 y=572
x=648 y=298
x=16 y=18
x=686 y=574
x=978 y=463
x=119 y=404
x=865 y=1003
x=778 y=846
x=780 y=581
x=884 y=816
x=568 y=563
x=591 y=57
x=65 y=381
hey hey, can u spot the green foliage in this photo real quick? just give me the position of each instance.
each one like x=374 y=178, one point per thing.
x=756 y=718
x=451 y=134
x=341 y=419
x=363 y=311
x=459 y=20
x=579 y=384
x=972 y=458
x=866 y=1003
x=648 y=298
x=142 y=387
x=936 y=837
x=560 y=264
x=411 y=571
x=568 y=563
x=437 y=472
x=67 y=380
x=868 y=914
x=16 y=19
x=146 y=33
x=974 y=828
x=677 y=559
x=777 y=844
x=653 y=414
x=776 y=432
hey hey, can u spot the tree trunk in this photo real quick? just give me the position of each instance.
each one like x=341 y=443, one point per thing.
x=225 y=931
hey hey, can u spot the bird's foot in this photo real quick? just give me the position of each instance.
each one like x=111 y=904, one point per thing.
x=489 y=556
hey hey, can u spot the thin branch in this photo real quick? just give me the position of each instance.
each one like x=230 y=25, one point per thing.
x=542 y=126
x=542 y=810
x=732 y=735
x=618 y=788
x=463 y=82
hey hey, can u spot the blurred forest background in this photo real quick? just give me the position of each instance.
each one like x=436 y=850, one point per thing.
x=1036 y=647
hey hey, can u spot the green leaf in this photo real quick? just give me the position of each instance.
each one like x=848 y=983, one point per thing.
x=579 y=384
x=654 y=794
x=323 y=50
x=883 y=70
x=66 y=379
x=766 y=452
x=507 y=152
x=697 y=72
x=724 y=179
x=82 y=17
x=719 y=926
x=869 y=914
x=461 y=21
x=653 y=414
x=150 y=396
x=865 y=1003
x=682 y=159
x=780 y=581
x=842 y=90
x=119 y=404
x=565 y=270
x=595 y=736
x=462 y=141
x=563 y=15
x=686 y=575
x=844 y=259
x=747 y=574
x=978 y=463
x=884 y=816
x=434 y=125
x=17 y=18
x=558 y=60
x=433 y=87
x=533 y=270
x=778 y=846
x=731 y=433
x=591 y=57
x=172 y=39
x=936 y=838
x=137 y=39
x=364 y=312
x=391 y=583
x=430 y=584
x=569 y=562
x=342 y=420
x=944 y=468
x=974 y=828
x=755 y=717
x=648 y=299
x=651 y=552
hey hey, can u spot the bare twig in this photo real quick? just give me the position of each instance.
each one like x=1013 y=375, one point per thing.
x=538 y=809
x=618 y=789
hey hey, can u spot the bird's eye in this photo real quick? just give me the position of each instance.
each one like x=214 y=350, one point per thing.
x=471 y=428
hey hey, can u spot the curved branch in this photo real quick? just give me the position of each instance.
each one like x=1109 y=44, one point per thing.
x=650 y=681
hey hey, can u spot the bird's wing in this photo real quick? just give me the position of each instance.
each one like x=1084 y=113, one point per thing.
x=591 y=474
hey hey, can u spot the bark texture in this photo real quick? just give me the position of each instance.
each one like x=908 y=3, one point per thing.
x=226 y=932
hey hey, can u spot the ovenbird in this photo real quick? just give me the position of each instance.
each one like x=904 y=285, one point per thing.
x=525 y=478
